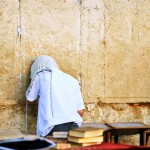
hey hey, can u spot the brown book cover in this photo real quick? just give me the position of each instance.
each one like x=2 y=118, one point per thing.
x=85 y=140
x=86 y=132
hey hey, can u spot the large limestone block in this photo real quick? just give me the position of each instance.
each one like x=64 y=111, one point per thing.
x=9 y=19
x=127 y=75
x=92 y=54
x=52 y=28
x=120 y=25
x=127 y=52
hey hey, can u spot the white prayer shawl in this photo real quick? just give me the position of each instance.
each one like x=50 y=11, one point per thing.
x=43 y=62
x=64 y=95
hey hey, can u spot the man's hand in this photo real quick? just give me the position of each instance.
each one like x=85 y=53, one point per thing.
x=32 y=103
x=24 y=102
x=81 y=112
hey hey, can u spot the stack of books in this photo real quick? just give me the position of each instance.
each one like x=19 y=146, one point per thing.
x=86 y=136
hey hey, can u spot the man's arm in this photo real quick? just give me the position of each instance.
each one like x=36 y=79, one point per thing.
x=32 y=92
x=81 y=112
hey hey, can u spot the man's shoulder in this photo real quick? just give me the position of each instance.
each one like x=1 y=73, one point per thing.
x=60 y=75
x=65 y=75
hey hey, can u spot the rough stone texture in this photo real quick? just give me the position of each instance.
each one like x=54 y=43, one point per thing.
x=103 y=43
x=108 y=53
x=12 y=116
x=92 y=50
x=52 y=28
x=102 y=112
x=127 y=66
x=8 y=39
x=10 y=133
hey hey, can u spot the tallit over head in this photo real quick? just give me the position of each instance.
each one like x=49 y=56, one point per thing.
x=43 y=62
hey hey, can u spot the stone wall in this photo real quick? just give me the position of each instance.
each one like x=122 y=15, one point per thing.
x=103 y=43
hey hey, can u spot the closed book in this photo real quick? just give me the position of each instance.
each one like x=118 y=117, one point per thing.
x=86 y=132
x=85 y=140
x=90 y=143
x=60 y=134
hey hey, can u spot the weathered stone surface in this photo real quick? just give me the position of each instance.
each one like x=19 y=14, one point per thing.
x=12 y=117
x=52 y=29
x=10 y=133
x=127 y=66
x=92 y=50
x=105 y=52
x=8 y=40
x=104 y=44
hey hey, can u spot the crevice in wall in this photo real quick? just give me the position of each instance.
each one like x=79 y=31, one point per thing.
x=80 y=44
x=19 y=55
x=90 y=106
x=104 y=19
x=19 y=26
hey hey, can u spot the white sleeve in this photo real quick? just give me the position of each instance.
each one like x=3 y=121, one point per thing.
x=32 y=92
x=80 y=102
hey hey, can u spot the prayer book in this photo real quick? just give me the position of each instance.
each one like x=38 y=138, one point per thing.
x=85 y=132
x=95 y=139
x=57 y=134
x=90 y=143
